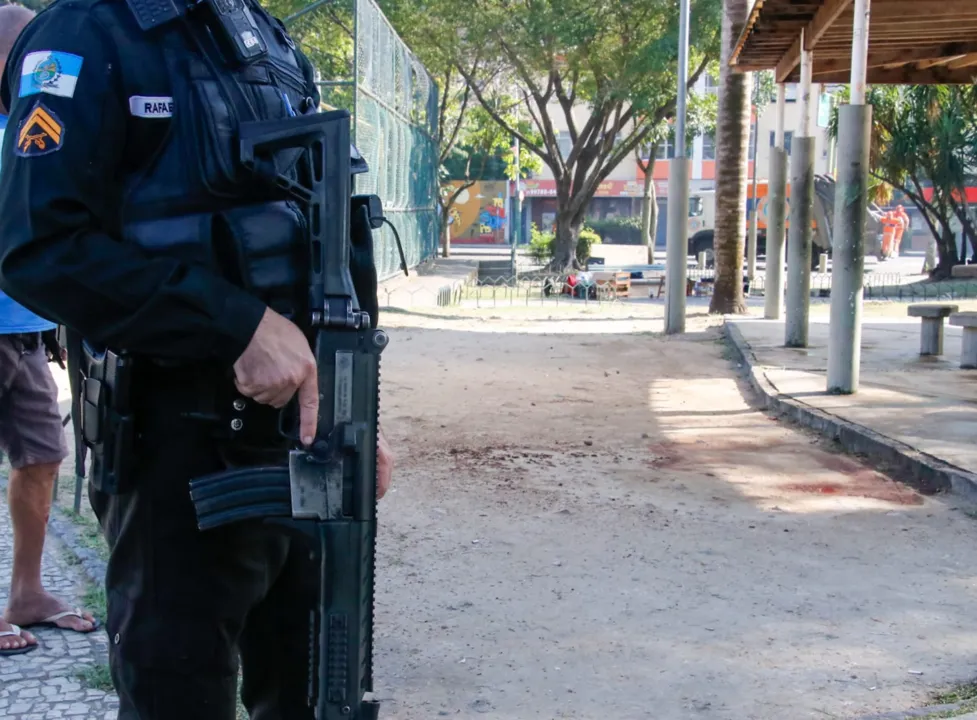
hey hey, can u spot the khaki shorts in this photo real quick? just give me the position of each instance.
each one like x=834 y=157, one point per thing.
x=31 y=432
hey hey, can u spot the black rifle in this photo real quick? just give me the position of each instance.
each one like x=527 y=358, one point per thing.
x=327 y=493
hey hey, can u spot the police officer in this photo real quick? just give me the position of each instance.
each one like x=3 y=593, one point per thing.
x=128 y=220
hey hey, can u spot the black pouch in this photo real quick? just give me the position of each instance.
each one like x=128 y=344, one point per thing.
x=106 y=423
x=362 y=265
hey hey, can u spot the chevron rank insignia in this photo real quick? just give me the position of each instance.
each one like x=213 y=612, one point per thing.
x=40 y=133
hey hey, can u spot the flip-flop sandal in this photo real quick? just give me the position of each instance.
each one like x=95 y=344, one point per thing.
x=52 y=622
x=15 y=632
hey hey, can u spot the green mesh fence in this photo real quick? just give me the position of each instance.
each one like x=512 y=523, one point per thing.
x=364 y=67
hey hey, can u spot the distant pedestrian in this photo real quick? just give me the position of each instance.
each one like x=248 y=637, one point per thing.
x=32 y=437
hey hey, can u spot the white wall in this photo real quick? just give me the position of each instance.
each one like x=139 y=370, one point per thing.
x=792 y=119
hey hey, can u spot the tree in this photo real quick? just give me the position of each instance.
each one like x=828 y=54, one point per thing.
x=732 y=146
x=470 y=141
x=325 y=33
x=700 y=118
x=604 y=70
x=923 y=144
x=475 y=143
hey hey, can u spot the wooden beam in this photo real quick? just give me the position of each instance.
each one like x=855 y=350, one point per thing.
x=905 y=76
x=965 y=62
x=823 y=19
x=923 y=64
x=929 y=33
x=789 y=62
x=919 y=8
x=935 y=54
x=927 y=64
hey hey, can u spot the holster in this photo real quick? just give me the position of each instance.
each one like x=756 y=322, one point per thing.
x=103 y=421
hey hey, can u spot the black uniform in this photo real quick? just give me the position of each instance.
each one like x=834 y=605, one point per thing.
x=126 y=218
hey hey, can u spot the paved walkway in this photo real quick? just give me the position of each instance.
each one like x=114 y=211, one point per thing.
x=421 y=288
x=929 y=404
x=46 y=684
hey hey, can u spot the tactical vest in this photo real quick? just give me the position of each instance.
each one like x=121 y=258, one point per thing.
x=186 y=195
x=192 y=200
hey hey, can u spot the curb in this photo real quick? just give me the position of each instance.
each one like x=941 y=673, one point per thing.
x=926 y=473
x=63 y=528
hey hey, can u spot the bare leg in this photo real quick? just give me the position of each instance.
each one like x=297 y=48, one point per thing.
x=29 y=497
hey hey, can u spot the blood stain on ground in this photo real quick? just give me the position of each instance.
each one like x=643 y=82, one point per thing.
x=867 y=484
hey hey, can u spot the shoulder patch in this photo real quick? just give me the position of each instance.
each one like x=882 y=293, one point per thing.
x=50 y=71
x=151 y=107
x=40 y=133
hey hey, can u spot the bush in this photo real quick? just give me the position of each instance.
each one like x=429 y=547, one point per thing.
x=540 y=245
x=619 y=230
x=586 y=239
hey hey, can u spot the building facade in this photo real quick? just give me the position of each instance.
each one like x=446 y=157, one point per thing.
x=484 y=220
x=620 y=195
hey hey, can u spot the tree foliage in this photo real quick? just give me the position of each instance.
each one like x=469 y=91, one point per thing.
x=325 y=32
x=601 y=72
x=924 y=143
x=700 y=119
x=472 y=145
x=764 y=89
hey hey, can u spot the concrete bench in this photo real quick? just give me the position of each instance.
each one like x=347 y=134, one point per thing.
x=968 y=321
x=964 y=271
x=931 y=334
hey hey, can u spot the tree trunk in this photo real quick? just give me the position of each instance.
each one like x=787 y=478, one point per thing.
x=947 y=249
x=967 y=226
x=649 y=212
x=732 y=147
x=565 y=243
x=445 y=231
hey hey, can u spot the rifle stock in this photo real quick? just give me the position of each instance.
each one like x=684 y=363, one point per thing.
x=327 y=493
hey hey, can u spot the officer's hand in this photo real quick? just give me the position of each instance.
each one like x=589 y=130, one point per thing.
x=276 y=364
x=385 y=465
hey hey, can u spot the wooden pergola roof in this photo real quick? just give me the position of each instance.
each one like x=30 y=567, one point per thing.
x=911 y=42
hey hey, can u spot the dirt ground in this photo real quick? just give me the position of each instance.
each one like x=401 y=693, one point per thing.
x=590 y=521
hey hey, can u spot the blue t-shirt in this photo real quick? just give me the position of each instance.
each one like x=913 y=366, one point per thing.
x=15 y=318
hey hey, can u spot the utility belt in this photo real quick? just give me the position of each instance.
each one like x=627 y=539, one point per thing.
x=108 y=420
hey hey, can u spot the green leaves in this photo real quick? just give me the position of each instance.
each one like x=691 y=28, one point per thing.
x=925 y=136
x=581 y=83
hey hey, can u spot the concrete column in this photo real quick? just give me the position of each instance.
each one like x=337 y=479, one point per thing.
x=851 y=209
x=848 y=252
x=751 y=244
x=677 y=240
x=799 y=242
x=773 y=293
x=677 y=248
x=773 y=301
x=801 y=215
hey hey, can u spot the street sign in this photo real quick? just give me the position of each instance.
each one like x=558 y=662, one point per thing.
x=825 y=104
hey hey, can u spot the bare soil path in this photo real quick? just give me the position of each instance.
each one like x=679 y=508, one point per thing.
x=590 y=521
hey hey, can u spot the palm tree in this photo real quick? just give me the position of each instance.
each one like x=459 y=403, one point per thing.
x=732 y=145
x=923 y=143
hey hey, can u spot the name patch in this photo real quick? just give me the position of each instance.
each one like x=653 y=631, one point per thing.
x=151 y=107
x=40 y=133
x=50 y=71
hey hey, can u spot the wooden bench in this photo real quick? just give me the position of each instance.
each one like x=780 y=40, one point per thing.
x=619 y=283
x=968 y=354
x=659 y=288
x=931 y=332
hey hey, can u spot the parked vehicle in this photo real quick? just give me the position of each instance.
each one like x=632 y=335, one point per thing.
x=702 y=220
